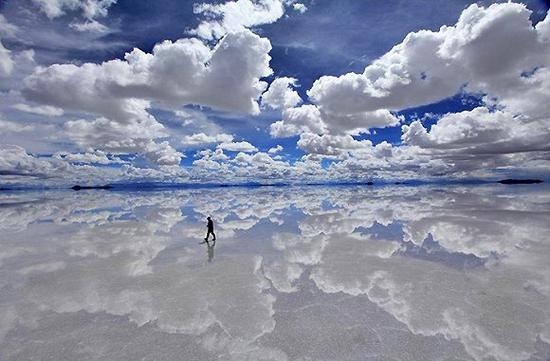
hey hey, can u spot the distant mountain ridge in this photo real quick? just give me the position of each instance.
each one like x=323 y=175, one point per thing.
x=520 y=181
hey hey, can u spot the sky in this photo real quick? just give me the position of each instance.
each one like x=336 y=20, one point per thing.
x=106 y=91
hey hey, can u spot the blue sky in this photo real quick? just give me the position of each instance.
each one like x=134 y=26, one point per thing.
x=271 y=90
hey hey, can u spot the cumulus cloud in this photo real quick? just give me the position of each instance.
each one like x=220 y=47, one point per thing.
x=133 y=137
x=330 y=145
x=429 y=66
x=261 y=165
x=478 y=127
x=15 y=161
x=495 y=51
x=310 y=118
x=162 y=153
x=276 y=149
x=114 y=136
x=209 y=165
x=163 y=173
x=210 y=154
x=235 y=16
x=238 y=147
x=17 y=166
x=201 y=139
x=299 y=7
x=481 y=138
x=485 y=49
x=281 y=94
x=306 y=118
x=254 y=166
x=175 y=73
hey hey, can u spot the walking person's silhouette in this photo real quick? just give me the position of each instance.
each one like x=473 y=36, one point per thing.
x=210 y=227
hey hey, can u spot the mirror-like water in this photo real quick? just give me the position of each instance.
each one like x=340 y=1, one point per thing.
x=297 y=273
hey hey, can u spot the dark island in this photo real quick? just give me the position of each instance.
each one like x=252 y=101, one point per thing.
x=520 y=181
x=77 y=187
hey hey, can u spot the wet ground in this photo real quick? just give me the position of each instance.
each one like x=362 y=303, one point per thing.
x=296 y=273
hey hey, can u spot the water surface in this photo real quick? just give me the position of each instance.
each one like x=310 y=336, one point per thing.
x=297 y=273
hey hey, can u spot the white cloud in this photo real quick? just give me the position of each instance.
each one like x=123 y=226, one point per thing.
x=97 y=156
x=330 y=145
x=114 y=136
x=135 y=137
x=19 y=167
x=209 y=154
x=488 y=50
x=494 y=51
x=478 y=127
x=15 y=162
x=162 y=153
x=238 y=147
x=207 y=164
x=306 y=118
x=487 y=47
x=7 y=29
x=9 y=126
x=164 y=173
x=92 y=26
x=235 y=16
x=481 y=138
x=383 y=149
x=275 y=150
x=45 y=110
x=281 y=94
x=6 y=62
x=261 y=166
x=310 y=118
x=89 y=9
x=175 y=73
x=254 y=166
x=201 y=139
x=299 y=7
x=360 y=122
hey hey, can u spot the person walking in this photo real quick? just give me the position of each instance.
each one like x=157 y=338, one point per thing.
x=210 y=228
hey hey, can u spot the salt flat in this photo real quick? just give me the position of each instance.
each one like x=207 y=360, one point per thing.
x=296 y=273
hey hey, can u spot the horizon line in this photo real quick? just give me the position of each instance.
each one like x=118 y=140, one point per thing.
x=121 y=186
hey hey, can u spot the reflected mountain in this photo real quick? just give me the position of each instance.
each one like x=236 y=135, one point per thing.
x=299 y=273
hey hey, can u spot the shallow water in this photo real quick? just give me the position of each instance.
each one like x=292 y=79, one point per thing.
x=297 y=273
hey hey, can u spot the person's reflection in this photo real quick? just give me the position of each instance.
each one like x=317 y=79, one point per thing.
x=210 y=250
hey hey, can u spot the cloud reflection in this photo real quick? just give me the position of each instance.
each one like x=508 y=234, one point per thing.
x=460 y=271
